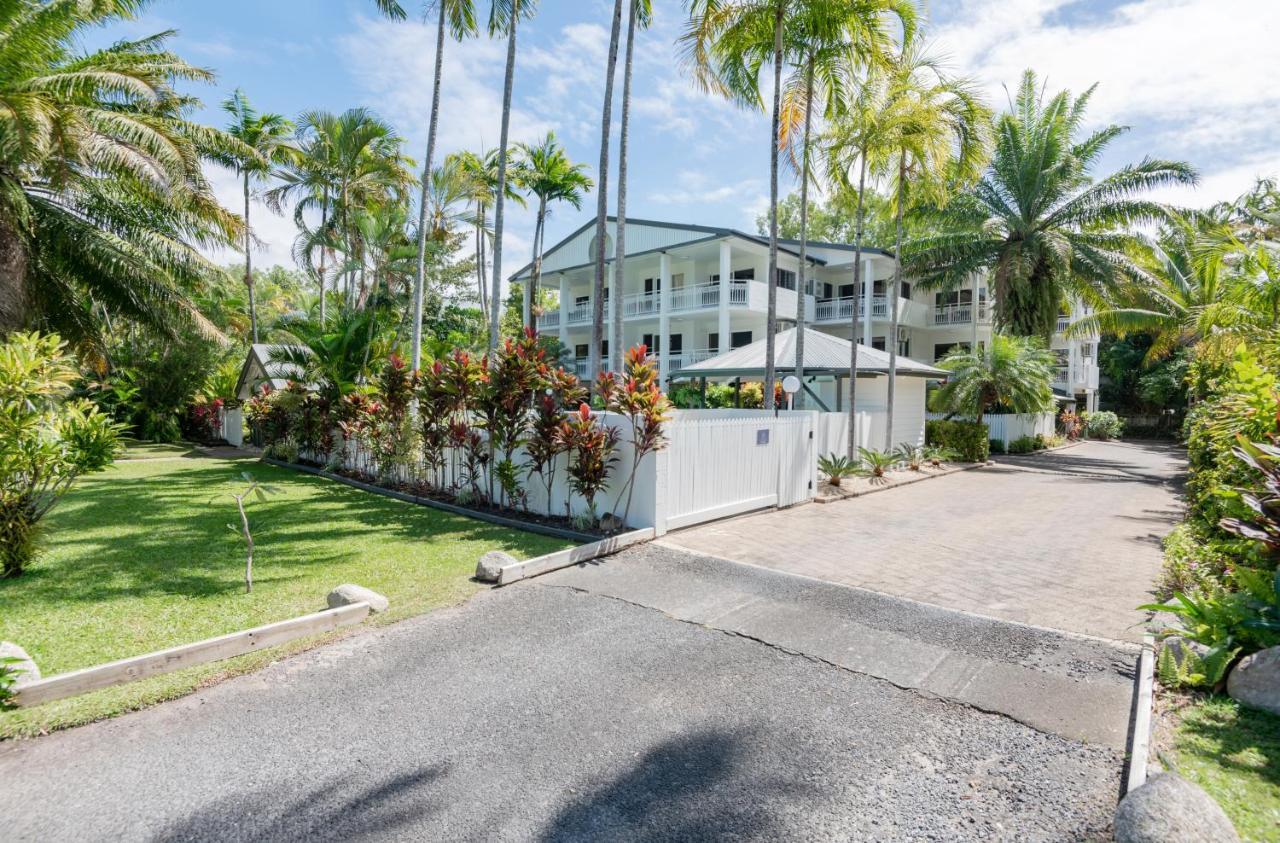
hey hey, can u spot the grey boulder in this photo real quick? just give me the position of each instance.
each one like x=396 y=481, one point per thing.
x=491 y=564
x=1255 y=680
x=346 y=594
x=25 y=666
x=1169 y=808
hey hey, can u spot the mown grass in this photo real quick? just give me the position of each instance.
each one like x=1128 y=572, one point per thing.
x=1233 y=752
x=142 y=557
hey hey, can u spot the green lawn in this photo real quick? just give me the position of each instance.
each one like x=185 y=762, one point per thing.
x=136 y=450
x=1233 y=752
x=140 y=557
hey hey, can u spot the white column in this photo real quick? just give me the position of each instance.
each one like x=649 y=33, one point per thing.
x=868 y=288
x=565 y=300
x=664 y=318
x=611 y=282
x=973 y=311
x=726 y=274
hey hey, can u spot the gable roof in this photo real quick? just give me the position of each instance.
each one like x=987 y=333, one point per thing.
x=263 y=364
x=823 y=353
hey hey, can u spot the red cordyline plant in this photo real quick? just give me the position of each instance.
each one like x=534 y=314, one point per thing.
x=436 y=409
x=388 y=431
x=462 y=379
x=592 y=453
x=637 y=396
x=505 y=401
x=543 y=446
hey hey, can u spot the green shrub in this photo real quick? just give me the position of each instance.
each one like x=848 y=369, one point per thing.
x=1193 y=670
x=1195 y=562
x=876 y=463
x=8 y=682
x=1102 y=424
x=967 y=439
x=1026 y=444
x=996 y=446
x=836 y=467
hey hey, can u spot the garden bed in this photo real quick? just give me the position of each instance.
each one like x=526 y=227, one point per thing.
x=423 y=495
x=139 y=558
x=852 y=487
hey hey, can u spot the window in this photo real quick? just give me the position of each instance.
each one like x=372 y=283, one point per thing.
x=676 y=343
x=713 y=342
x=653 y=342
x=748 y=274
x=846 y=290
x=652 y=285
x=604 y=349
x=877 y=288
x=906 y=290
x=580 y=351
x=942 y=349
x=739 y=338
x=786 y=279
x=828 y=289
x=878 y=343
x=582 y=301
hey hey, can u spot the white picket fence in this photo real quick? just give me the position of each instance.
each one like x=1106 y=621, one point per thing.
x=1010 y=426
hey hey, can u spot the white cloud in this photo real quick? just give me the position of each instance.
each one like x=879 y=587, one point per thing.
x=1194 y=78
x=275 y=233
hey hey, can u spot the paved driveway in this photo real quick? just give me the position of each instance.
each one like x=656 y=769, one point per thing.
x=1068 y=540
x=656 y=696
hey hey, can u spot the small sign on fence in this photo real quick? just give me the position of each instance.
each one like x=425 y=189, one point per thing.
x=762 y=436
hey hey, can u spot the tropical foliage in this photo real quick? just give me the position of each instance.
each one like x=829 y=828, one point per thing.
x=1013 y=373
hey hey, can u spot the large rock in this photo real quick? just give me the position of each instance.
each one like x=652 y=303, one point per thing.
x=26 y=666
x=1255 y=680
x=1169 y=808
x=491 y=564
x=346 y=594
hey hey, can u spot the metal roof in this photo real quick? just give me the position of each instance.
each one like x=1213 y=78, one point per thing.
x=823 y=353
x=265 y=357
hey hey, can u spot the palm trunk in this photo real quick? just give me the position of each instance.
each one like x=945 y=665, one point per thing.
x=481 y=285
x=857 y=296
x=602 y=197
x=324 y=249
x=893 y=301
x=495 y=293
x=619 y=269
x=248 y=264
x=14 y=295
x=771 y=314
x=420 y=277
x=802 y=278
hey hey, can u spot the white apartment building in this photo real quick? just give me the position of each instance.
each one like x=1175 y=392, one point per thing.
x=692 y=291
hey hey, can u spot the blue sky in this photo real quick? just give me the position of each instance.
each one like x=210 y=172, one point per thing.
x=1195 y=79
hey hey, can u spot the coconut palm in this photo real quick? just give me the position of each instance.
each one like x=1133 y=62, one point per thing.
x=828 y=54
x=504 y=17
x=1012 y=372
x=937 y=138
x=459 y=17
x=310 y=180
x=639 y=12
x=104 y=205
x=479 y=174
x=546 y=172
x=598 y=246
x=1039 y=222
x=268 y=135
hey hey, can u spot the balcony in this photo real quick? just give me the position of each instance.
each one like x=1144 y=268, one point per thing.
x=676 y=361
x=648 y=305
x=1064 y=322
x=958 y=314
x=841 y=310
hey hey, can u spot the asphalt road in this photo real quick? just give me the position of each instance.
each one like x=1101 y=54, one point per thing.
x=620 y=701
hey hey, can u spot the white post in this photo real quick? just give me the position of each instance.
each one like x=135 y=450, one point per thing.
x=868 y=287
x=973 y=311
x=726 y=273
x=564 y=310
x=611 y=280
x=664 y=319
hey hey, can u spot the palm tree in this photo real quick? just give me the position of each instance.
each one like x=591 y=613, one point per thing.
x=268 y=135
x=504 y=15
x=104 y=205
x=829 y=52
x=335 y=355
x=1038 y=221
x=602 y=199
x=460 y=17
x=547 y=173
x=638 y=12
x=1012 y=372
x=937 y=133
x=479 y=174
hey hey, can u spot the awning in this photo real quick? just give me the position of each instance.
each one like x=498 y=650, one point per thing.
x=823 y=354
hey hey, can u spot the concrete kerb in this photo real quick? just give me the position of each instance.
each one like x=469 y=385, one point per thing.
x=572 y=556
x=1144 y=700
x=513 y=523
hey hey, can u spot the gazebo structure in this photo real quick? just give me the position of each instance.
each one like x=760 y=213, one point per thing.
x=826 y=367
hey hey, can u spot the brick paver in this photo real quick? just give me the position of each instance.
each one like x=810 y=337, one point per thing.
x=1068 y=540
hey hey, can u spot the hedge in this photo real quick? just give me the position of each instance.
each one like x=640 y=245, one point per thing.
x=968 y=439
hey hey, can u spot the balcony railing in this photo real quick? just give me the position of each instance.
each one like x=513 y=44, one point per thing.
x=550 y=319
x=1064 y=322
x=639 y=305
x=958 y=314
x=676 y=361
x=841 y=310
x=1062 y=375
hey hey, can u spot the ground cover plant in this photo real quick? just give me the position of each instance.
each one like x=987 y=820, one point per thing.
x=139 y=558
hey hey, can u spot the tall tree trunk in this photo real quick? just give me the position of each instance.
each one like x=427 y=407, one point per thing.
x=857 y=299
x=495 y=294
x=420 y=276
x=324 y=250
x=771 y=314
x=893 y=300
x=481 y=277
x=535 y=275
x=602 y=198
x=802 y=278
x=14 y=297
x=616 y=346
x=248 y=264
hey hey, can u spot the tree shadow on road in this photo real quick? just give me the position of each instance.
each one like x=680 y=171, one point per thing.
x=688 y=788
x=336 y=810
